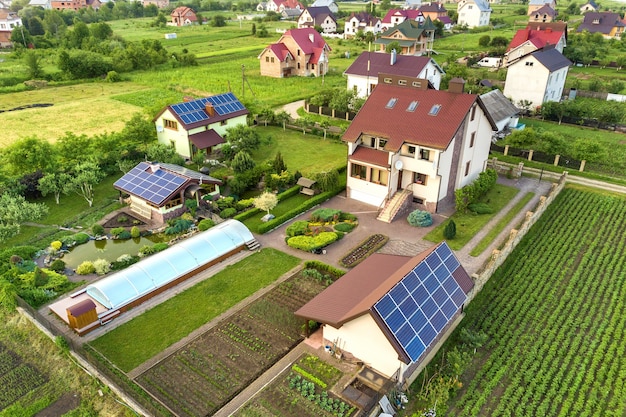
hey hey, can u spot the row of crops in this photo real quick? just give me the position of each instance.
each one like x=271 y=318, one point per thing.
x=554 y=318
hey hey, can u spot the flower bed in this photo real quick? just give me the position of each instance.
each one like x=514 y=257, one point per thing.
x=324 y=227
x=363 y=250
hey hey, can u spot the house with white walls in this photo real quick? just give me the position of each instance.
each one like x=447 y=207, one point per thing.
x=473 y=13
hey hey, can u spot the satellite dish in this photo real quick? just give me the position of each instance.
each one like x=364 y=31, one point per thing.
x=159 y=128
x=399 y=165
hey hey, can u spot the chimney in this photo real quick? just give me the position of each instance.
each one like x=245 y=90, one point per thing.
x=187 y=99
x=312 y=37
x=210 y=110
x=154 y=167
x=456 y=85
x=394 y=57
x=548 y=30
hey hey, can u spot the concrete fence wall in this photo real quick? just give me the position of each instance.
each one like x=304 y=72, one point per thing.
x=498 y=256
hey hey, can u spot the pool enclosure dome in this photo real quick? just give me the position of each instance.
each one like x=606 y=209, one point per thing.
x=163 y=268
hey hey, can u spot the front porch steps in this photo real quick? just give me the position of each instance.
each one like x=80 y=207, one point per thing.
x=395 y=206
x=253 y=245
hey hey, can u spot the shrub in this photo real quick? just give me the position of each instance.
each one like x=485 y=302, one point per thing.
x=102 y=266
x=228 y=213
x=480 y=208
x=57 y=265
x=177 y=226
x=16 y=260
x=134 y=232
x=158 y=247
x=347 y=216
x=124 y=235
x=146 y=250
x=40 y=277
x=244 y=204
x=297 y=228
x=325 y=215
x=340 y=235
x=61 y=343
x=205 y=224
x=226 y=202
x=68 y=241
x=56 y=245
x=321 y=266
x=449 y=232
x=345 y=227
x=85 y=268
x=115 y=232
x=97 y=229
x=124 y=261
x=310 y=243
x=122 y=218
x=81 y=238
x=420 y=218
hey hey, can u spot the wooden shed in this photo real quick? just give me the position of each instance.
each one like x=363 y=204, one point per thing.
x=307 y=186
x=82 y=314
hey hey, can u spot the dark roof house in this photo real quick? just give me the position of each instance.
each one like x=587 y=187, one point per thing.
x=609 y=24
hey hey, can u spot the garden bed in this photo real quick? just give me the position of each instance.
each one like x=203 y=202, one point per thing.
x=324 y=227
x=363 y=250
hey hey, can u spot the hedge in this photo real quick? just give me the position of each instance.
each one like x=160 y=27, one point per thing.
x=321 y=266
x=310 y=243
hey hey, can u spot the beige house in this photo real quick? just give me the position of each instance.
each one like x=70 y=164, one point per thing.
x=199 y=124
x=299 y=52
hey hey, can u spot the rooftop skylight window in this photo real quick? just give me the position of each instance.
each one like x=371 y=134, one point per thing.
x=392 y=102
x=434 y=110
x=412 y=106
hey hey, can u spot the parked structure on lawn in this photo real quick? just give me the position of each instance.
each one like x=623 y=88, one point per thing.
x=196 y=125
x=409 y=143
x=300 y=52
x=364 y=72
x=106 y=299
x=391 y=311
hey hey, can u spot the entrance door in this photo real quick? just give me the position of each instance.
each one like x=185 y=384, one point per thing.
x=399 y=187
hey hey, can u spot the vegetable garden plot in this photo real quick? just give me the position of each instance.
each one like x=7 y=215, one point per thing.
x=205 y=374
x=17 y=378
x=554 y=314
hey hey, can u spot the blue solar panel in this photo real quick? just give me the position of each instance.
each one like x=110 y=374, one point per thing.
x=422 y=270
x=385 y=306
x=408 y=306
x=429 y=307
x=458 y=297
x=427 y=334
x=405 y=334
x=452 y=263
x=444 y=251
x=440 y=296
x=411 y=280
x=431 y=283
x=398 y=293
x=194 y=111
x=449 y=309
x=415 y=349
x=420 y=294
x=432 y=261
x=152 y=186
x=418 y=320
x=442 y=273
x=438 y=320
x=395 y=320
x=450 y=285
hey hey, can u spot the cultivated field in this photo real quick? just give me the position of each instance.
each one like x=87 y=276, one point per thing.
x=554 y=317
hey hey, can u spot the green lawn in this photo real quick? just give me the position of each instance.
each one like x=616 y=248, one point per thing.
x=468 y=224
x=283 y=207
x=148 y=334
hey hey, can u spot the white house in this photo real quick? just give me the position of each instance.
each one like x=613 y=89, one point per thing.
x=502 y=111
x=8 y=21
x=46 y=4
x=473 y=13
x=390 y=311
x=363 y=22
x=418 y=143
x=318 y=16
x=364 y=72
x=326 y=3
x=537 y=77
x=534 y=37
x=199 y=124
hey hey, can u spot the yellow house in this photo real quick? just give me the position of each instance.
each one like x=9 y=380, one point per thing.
x=199 y=124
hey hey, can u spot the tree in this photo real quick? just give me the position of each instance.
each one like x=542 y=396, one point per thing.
x=242 y=162
x=54 y=183
x=267 y=114
x=304 y=123
x=218 y=21
x=35 y=26
x=485 y=40
x=327 y=181
x=449 y=232
x=393 y=46
x=243 y=138
x=282 y=117
x=20 y=36
x=278 y=164
x=499 y=41
x=199 y=158
x=85 y=176
x=28 y=155
x=266 y=201
x=253 y=29
x=15 y=210
x=161 y=152
x=33 y=62
x=262 y=32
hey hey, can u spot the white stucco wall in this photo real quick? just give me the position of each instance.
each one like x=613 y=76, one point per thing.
x=526 y=79
x=363 y=338
x=429 y=72
x=477 y=154
x=470 y=14
x=167 y=136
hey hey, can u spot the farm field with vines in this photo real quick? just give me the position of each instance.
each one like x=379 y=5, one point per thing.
x=554 y=318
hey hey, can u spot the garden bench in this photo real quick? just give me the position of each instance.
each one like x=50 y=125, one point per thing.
x=307 y=186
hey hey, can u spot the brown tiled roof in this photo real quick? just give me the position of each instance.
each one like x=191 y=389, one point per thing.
x=371 y=156
x=398 y=125
x=373 y=63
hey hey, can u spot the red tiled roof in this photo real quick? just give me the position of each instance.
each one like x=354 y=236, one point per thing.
x=302 y=38
x=539 y=38
x=398 y=125
x=184 y=12
x=406 y=65
x=280 y=50
x=411 y=14
x=371 y=156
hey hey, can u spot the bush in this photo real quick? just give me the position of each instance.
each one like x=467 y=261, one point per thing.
x=134 y=232
x=177 y=226
x=124 y=261
x=115 y=232
x=56 y=245
x=297 y=228
x=81 y=238
x=102 y=266
x=244 y=204
x=228 y=213
x=321 y=266
x=205 y=224
x=325 y=215
x=158 y=247
x=97 y=229
x=345 y=227
x=310 y=243
x=85 y=268
x=57 y=265
x=420 y=218
x=146 y=250
x=480 y=208
x=449 y=232
x=124 y=235
x=226 y=202
x=347 y=216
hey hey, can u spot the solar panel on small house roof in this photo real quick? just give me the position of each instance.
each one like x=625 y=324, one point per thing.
x=418 y=307
x=195 y=111
x=149 y=182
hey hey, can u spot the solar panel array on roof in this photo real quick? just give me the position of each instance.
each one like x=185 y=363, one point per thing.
x=151 y=186
x=194 y=111
x=418 y=307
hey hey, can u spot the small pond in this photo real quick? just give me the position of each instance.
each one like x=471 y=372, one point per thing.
x=107 y=249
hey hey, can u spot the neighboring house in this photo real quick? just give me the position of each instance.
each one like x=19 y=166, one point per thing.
x=473 y=13
x=46 y=4
x=395 y=16
x=322 y=17
x=425 y=142
x=537 y=77
x=543 y=14
x=326 y=3
x=590 y=6
x=158 y=191
x=436 y=11
x=363 y=22
x=412 y=4
x=299 y=52
x=290 y=14
x=610 y=25
x=183 y=16
x=279 y=5
x=390 y=311
x=74 y=4
x=199 y=124
x=414 y=38
x=502 y=111
x=8 y=21
x=535 y=37
x=534 y=5
x=363 y=73
x=161 y=4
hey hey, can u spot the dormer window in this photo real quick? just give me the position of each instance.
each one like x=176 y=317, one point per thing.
x=596 y=21
x=412 y=106
x=434 y=110
x=392 y=102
